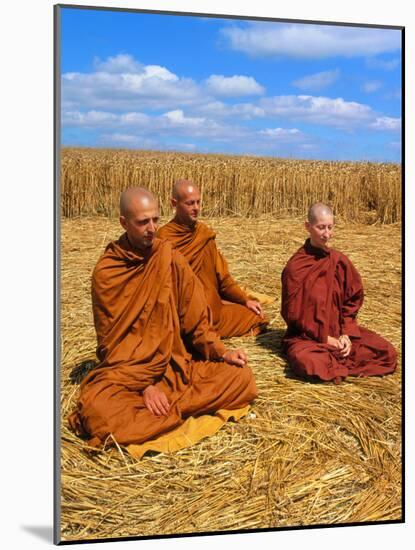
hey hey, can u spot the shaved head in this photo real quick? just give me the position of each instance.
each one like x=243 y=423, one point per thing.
x=320 y=224
x=186 y=200
x=139 y=216
x=182 y=187
x=318 y=209
x=133 y=198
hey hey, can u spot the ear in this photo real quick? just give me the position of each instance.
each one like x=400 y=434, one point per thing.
x=123 y=222
x=173 y=202
x=307 y=225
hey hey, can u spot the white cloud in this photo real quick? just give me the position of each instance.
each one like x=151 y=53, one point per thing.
x=126 y=140
x=317 y=81
x=386 y=65
x=305 y=109
x=134 y=119
x=310 y=41
x=120 y=82
x=242 y=110
x=143 y=131
x=89 y=119
x=397 y=145
x=233 y=86
x=120 y=95
x=171 y=123
x=280 y=140
x=155 y=71
x=122 y=63
x=386 y=123
x=129 y=104
x=177 y=118
x=372 y=86
x=141 y=121
x=284 y=134
x=318 y=110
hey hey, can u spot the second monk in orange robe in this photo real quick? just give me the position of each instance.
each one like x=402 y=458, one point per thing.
x=322 y=293
x=233 y=312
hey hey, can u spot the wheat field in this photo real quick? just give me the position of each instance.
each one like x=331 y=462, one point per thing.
x=363 y=192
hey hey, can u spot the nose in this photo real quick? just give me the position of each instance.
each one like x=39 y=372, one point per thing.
x=152 y=226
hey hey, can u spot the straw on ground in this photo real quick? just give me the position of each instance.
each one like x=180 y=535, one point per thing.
x=310 y=454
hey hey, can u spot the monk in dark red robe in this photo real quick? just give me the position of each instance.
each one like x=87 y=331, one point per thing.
x=322 y=293
x=149 y=311
x=234 y=313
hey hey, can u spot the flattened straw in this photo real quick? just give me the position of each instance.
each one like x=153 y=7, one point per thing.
x=314 y=454
x=121 y=453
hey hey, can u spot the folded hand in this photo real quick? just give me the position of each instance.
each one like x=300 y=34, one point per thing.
x=255 y=306
x=346 y=345
x=235 y=357
x=156 y=401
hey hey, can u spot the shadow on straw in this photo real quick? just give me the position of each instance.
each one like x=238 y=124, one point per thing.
x=272 y=339
x=80 y=370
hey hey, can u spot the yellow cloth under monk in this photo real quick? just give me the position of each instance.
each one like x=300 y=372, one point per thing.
x=190 y=432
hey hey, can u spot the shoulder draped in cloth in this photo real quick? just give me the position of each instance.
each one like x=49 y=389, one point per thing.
x=226 y=300
x=145 y=309
x=322 y=293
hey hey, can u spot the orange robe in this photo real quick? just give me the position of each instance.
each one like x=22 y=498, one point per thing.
x=198 y=245
x=322 y=293
x=145 y=309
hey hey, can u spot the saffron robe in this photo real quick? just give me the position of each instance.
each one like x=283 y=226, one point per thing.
x=145 y=307
x=226 y=300
x=322 y=293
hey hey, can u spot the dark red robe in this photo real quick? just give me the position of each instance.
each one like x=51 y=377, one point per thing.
x=322 y=293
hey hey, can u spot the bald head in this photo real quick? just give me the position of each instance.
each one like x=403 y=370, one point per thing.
x=318 y=209
x=320 y=224
x=186 y=201
x=133 y=198
x=139 y=217
x=182 y=187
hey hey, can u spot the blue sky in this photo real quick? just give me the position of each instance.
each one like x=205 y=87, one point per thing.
x=210 y=85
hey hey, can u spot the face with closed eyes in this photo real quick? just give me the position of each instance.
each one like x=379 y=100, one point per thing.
x=320 y=229
x=187 y=205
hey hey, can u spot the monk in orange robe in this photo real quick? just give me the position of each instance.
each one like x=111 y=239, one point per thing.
x=233 y=312
x=322 y=293
x=149 y=311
